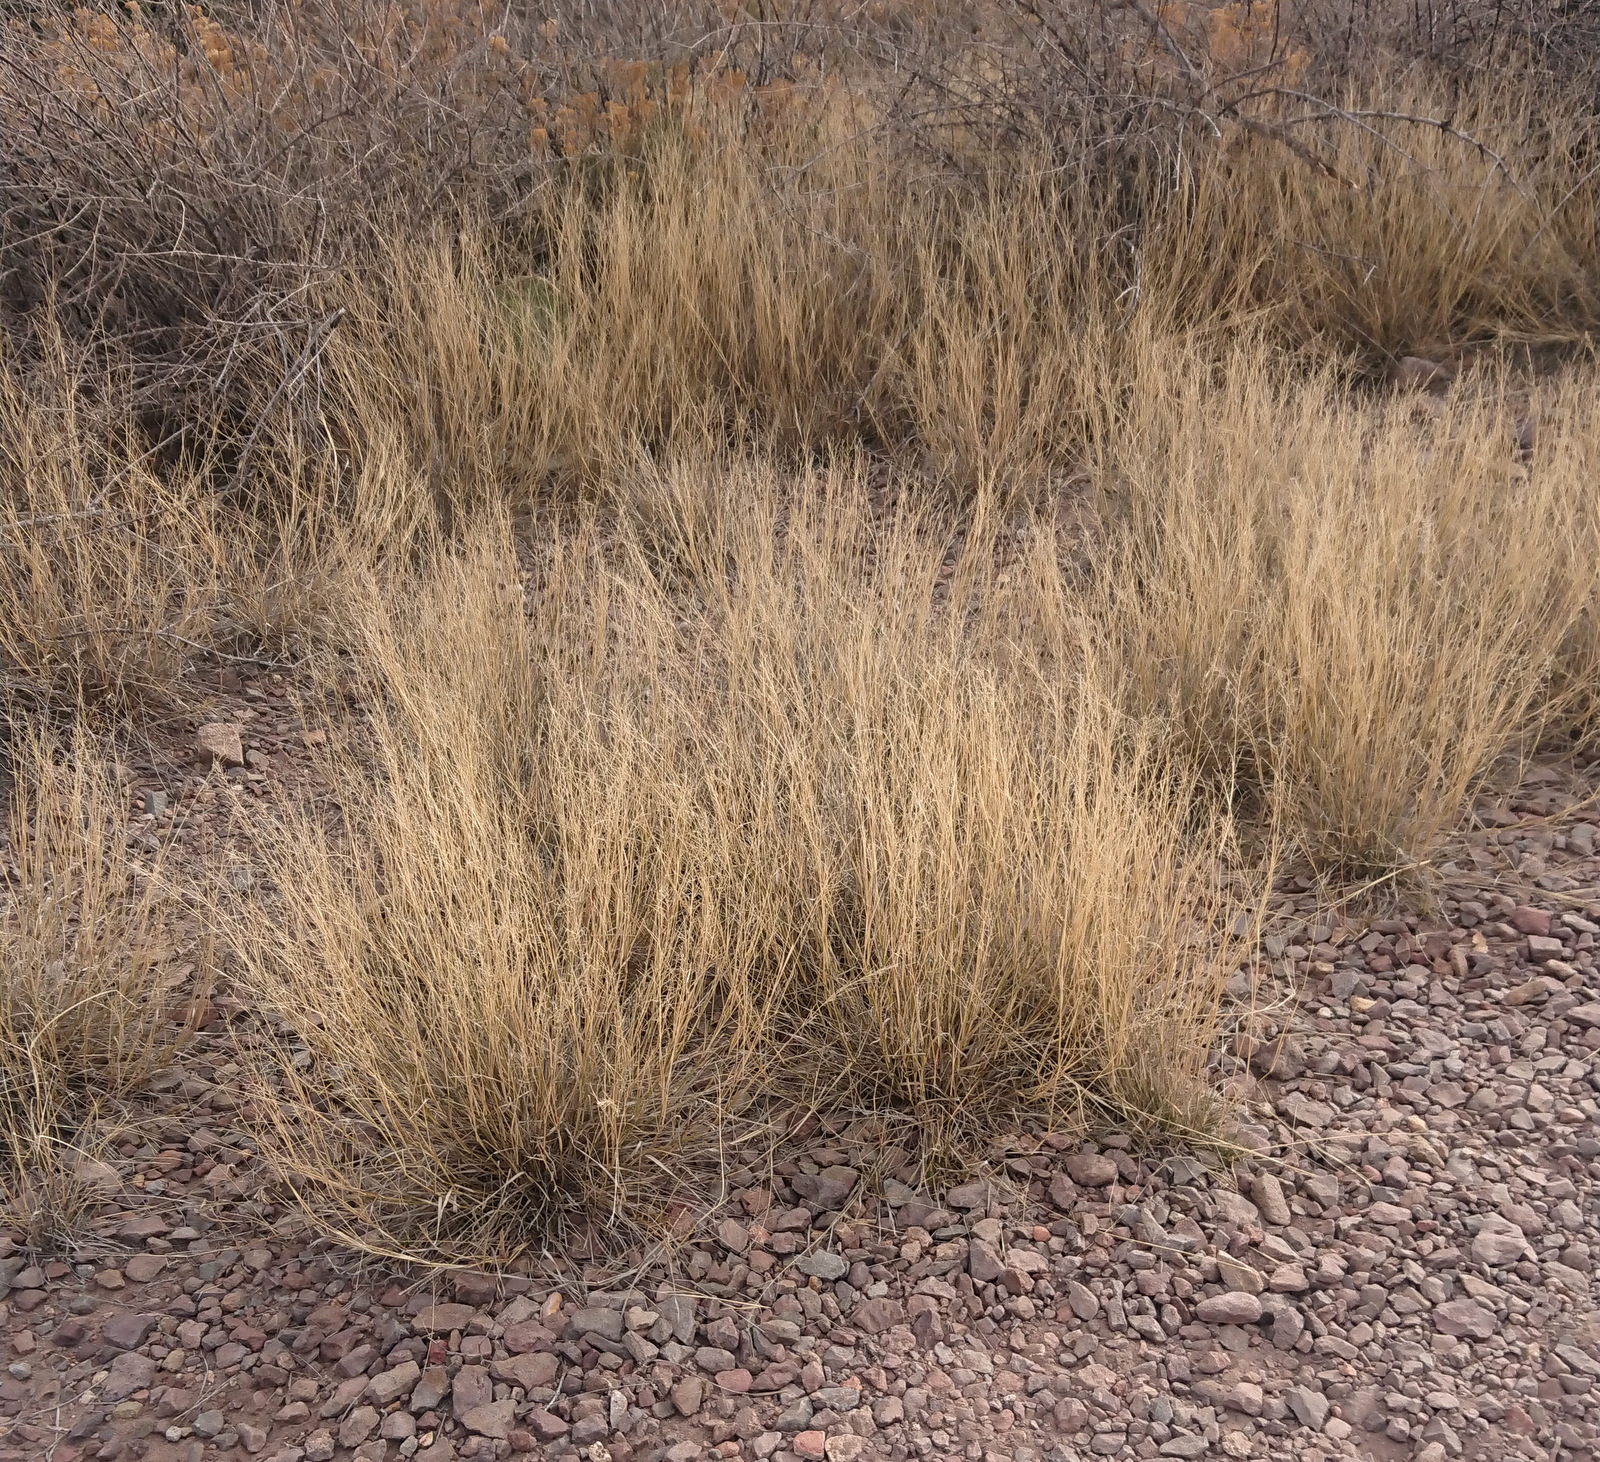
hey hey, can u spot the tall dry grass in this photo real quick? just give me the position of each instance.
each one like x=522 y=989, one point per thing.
x=110 y=566
x=759 y=801
x=94 y=999
x=1345 y=611
x=797 y=284
x=944 y=510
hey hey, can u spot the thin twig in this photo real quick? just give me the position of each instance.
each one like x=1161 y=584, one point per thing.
x=313 y=347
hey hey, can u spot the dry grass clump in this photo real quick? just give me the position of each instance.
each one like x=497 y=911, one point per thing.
x=1562 y=411
x=1348 y=614
x=92 y=1002
x=1407 y=219
x=760 y=802
x=125 y=563
x=109 y=566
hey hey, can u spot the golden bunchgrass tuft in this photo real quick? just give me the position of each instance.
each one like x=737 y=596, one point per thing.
x=109 y=568
x=1349 y=611
x=774 y=807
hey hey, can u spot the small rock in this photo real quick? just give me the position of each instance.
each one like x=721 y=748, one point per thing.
x=1282 y=1058
x=595 y=1321
x=1529 y=920
x=678 y=1311
x=829 y=1188
x=795 y=1417
x=475 y=1289
x=471 y=1388
x=810 y=1444
x=218 y=741
x=208 y=1424
x=1300 y=1108
x=430 y=1390
x=1239 y=1276
x=441 y=1319
x=545 y=1425
x=1247 y=1397
x=1082 y=1301
x=358 y=1426
x=528 y=1371
x=319 y=1446
x=1070 y=1416
x=1234 y=1208
x=1091 y=1170
x=970 y=1196
x=1236 y=1308
x=1288 y=1279
x=252 y=1438
x=1346 y=983
x=1287 y=1327
x=129 y=1372
x=983 y=1264
x=824 y=1265
x=877 y=1315
x=1499 y=1243
x=143 y=1268
x=687 y=1395
x=1465 y=1318
x=397 y=1426
x=1310 y=1407
x=1267 y=1192
x=389 y=1386
x=493 y=1419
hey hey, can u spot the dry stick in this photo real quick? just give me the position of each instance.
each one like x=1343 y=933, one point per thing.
x=313 y=348
x=167 y=634
x=1363 y=117
x=1566 y=198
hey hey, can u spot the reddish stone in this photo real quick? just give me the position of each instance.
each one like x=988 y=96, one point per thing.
x=1528 y=920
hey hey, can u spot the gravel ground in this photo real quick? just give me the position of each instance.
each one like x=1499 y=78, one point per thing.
x=1402 y=1268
